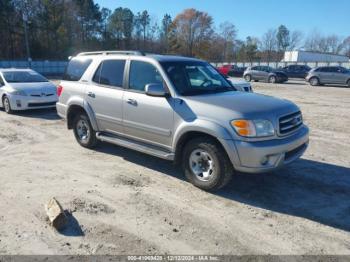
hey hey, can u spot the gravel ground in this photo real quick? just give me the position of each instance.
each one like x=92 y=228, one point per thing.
x=124 y=202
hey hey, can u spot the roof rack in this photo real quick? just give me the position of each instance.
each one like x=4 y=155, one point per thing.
x=140 y=53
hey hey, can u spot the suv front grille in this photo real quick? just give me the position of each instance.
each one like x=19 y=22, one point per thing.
x=290 y=123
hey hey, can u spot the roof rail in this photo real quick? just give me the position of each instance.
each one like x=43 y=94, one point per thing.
x=140 y=53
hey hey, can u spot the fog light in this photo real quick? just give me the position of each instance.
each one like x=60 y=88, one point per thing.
x=264 y=160
x=18 y=102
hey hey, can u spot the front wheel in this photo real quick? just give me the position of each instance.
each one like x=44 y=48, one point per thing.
x=206 y=164
x=7 y=105
x=314 y=81
x=348 y=83
x=83 y=131
x=248 y=78
x=272 y=80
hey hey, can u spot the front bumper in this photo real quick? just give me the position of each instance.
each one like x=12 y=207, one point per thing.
x=266 y=156
x=18 y=103
x=61 y=110
x=282 y=79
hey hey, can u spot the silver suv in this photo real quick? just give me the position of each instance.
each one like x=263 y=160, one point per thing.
x=264 y=73
x=329 y=75
x=179 y=109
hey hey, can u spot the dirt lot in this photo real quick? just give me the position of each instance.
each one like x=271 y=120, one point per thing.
x=125 y=202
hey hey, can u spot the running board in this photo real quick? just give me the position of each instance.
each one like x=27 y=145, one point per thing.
x=135 y=145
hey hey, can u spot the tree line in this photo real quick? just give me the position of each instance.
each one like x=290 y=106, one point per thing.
x=56 y=29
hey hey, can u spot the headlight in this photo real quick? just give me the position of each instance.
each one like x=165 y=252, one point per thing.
x=18 y=93
x=253 y=128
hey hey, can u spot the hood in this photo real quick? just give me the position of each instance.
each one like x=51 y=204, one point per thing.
x=237 y=81
x=35 y=88
x=235 y=105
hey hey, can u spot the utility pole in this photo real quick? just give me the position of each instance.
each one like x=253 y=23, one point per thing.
x=25 y=20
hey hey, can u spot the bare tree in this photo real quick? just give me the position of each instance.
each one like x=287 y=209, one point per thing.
x=295 y=40
x=228 y=34
x=346 y=46
x=312 y=41
x=327 y=44
x=268 y=43
x=334 y=44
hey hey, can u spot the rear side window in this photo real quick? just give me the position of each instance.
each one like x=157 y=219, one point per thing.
x=110 y=73
x=76 y=68
x=325 y=69
x=142 y=74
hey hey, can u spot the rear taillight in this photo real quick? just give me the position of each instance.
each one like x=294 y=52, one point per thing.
x=59 y=90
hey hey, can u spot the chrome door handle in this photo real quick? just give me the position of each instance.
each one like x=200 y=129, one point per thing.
x=132 y=102
x=90 y=94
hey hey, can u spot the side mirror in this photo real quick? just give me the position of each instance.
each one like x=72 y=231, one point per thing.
x=157 y=90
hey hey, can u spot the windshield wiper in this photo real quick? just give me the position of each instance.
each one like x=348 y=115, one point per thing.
x=225 y=89
x=218 y=89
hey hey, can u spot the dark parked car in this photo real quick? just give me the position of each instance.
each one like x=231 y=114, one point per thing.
x=231 y=70
x=296 y=71
x=264 y=73
x=329 y=75
x=236 y=71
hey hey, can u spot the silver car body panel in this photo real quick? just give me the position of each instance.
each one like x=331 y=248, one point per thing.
x=340 y=78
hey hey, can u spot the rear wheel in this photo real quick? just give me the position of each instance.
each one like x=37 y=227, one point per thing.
x=248 y=78
x=83 y=131
x=314 y=81
x=348 y=83
x=7 y=105
x=272 y=80
x=206 y=164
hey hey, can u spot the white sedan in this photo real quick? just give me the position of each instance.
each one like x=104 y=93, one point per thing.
x=241 y=85
x=22 y=89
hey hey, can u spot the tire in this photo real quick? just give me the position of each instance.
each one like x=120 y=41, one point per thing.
x=6 y=104
x=272 y=80
x=314 y=81
x=204 y=151
x=248 y=78
x=83 y=131
x=348 y=83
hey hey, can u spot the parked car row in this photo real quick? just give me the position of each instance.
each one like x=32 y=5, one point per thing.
x=176 y=108
x=317 y=76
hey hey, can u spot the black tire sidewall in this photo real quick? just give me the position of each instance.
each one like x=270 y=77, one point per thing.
x=91 y=142
x=3 y=103
x=270 y=79
x=248 y=78
x=317 y=83
x=212 y=148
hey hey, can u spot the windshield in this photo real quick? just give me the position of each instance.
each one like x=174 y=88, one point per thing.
x=23 y=77
x=194 y=78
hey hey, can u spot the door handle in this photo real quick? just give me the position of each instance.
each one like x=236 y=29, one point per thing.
x=132 y=102
x=90 y=94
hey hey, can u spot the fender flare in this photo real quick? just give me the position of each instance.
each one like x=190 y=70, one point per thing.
x=78 y=101
x=203 y=126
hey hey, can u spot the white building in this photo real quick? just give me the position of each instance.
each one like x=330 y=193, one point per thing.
x=305 y=56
